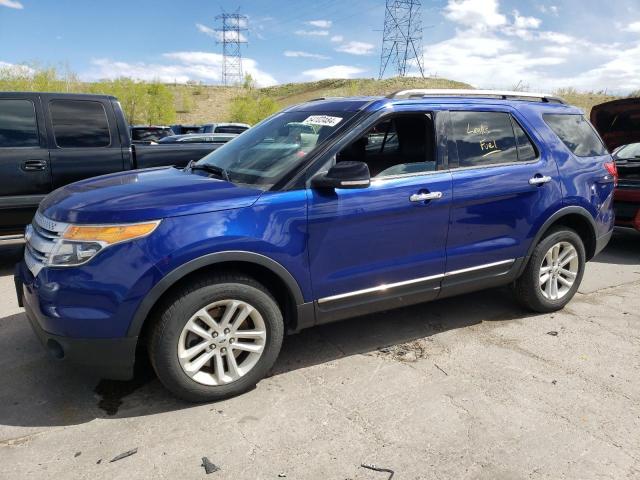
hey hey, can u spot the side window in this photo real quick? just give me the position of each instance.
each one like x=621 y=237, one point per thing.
x=577 y=134
x=400 y=145
x=79 y=123
x=526 y=150
x=483 y=138
x=18 y=127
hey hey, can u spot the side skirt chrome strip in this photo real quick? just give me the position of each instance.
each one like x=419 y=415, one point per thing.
x=479 y=267
x=382 y=288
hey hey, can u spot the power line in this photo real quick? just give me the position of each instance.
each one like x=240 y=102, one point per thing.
x=232 y=35
x=401 y=37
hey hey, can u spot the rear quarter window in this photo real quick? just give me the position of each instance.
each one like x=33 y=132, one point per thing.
x=576 y=133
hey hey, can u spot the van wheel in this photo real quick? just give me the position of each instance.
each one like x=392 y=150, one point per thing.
x=216 y=338
x=554 y=272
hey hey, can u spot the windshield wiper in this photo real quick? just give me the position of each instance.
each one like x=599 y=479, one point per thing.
x=218 y=171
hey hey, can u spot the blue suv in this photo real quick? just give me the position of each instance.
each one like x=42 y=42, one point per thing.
x=327 y=210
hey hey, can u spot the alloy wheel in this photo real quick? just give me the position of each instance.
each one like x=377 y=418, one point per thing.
x=222 y=342
x=559 y=270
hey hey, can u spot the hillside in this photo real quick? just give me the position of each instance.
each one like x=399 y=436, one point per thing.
x=201 y=103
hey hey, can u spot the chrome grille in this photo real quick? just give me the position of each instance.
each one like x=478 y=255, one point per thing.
x=40 y=238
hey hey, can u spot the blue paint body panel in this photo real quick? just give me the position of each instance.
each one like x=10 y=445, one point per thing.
x=332 y=242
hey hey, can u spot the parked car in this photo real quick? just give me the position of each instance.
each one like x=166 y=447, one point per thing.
x=224 y=128
x=218 y=138
x=185 y=129
x=618 y=122
x=208 y=267
x=148 y=134
x=48 y=140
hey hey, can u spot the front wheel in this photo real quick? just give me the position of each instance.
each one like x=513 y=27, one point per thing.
x=216 y=338
x=554 y=272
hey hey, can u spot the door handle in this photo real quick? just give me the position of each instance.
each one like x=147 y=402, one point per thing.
x=539 y=180
x=34 y=165
x=425 y=196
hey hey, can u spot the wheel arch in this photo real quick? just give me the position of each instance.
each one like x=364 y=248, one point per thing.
x=277 y=279
x=574 y=217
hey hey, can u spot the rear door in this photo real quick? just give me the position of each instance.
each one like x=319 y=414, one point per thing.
x=84 y=139
x=24 y=160
x=503 y=182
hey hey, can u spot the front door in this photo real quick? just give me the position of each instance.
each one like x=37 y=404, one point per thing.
x=384 y=245
x=24 y=162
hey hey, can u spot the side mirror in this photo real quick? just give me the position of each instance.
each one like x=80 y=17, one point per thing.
x=343 y=175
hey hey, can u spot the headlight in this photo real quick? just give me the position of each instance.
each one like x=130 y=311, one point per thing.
x=80 y=243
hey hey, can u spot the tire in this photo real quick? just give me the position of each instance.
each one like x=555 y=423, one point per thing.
x=530 y=290
x=172 y=338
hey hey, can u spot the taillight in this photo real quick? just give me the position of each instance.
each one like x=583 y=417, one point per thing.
x=611 y=168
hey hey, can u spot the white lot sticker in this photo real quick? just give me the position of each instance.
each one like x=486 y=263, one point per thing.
x=323 y=120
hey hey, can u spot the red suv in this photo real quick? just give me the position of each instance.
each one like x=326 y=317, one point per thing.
x=618 y=122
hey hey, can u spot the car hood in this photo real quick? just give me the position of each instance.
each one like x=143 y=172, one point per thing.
x=617 y=122
x=143 y=195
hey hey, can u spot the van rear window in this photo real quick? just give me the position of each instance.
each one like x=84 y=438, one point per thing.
x=577 y=134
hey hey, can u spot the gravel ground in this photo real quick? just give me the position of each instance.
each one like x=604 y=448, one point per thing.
x=464 y=388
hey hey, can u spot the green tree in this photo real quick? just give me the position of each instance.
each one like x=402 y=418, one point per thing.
x=142 y=102
x=252 y=108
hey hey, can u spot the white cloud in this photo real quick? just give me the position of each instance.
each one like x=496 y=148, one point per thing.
x=301 y=54
x=206 y=30
x=549 y=9
x=11 y=4
x=320 y=23
x=220 y=36
x=337 y=38
x=19 y=69
x=334 y=71
x=475 y=14
x=501 y=55
x=186 y=66
x=312 y=33
x=356 y=48
x=632 y=27
x=520 y=21
x=556 y=37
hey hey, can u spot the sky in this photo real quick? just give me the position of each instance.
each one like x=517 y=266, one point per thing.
x=532 y=44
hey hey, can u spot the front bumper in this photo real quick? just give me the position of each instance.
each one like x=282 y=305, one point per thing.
x=111 y=358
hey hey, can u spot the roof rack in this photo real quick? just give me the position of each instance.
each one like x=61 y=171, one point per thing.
x=501 y=94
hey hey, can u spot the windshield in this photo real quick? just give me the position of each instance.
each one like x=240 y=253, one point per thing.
x=629 y=152
x=267 y=152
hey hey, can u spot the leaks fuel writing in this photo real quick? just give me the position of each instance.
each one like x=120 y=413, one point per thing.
x=487 y=146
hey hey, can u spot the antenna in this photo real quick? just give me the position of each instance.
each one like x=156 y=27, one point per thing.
x=402 y=36
x=231 y=36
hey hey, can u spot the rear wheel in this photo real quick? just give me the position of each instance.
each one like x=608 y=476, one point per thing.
x=554 y=272
x=216 y=338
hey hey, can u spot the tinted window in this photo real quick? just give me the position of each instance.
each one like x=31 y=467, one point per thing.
x=79 y=123
x=577 y=134
x=483 y=138
x=18 y=124
x=526 y=150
